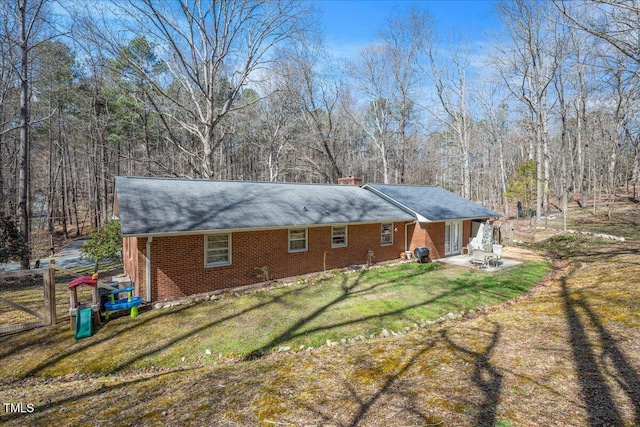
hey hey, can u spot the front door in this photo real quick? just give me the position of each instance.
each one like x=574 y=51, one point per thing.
x=452 y=238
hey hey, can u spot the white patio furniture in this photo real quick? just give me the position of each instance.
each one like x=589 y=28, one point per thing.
x=478 y=258
x=496 y=255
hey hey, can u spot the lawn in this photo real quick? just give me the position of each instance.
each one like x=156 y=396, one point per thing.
x=303 y=315
x=565 y=354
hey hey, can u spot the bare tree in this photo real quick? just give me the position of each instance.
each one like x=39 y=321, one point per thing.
x=404 y=36
x=316 y=96
x=449 y=77
x=387 y=77
x=614 y=23
x=374 y=77
x=609 y=20
x=494 y=108
x=29 y=20
x=528 y=66
x=212 y=50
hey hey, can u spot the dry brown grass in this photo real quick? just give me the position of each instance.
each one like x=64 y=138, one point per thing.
x=568 y=354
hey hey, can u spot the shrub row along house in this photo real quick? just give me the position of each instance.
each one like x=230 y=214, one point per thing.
x=183 y=237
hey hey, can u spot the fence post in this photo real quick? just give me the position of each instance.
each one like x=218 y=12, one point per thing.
x=49 y=280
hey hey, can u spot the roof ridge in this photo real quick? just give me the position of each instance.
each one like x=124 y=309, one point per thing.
x=404 y=185
x=232 y=181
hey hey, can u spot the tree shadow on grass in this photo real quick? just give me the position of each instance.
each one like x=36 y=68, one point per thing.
x=485 y=376
x=348 y=291
x=599 y=401
x=79 y=347
x=365 y=405
x=396 y=387
x=390 y=385
x=585 y=249
x=152 y=350
x=104 y=389
x=351 y=287
x=86 y=344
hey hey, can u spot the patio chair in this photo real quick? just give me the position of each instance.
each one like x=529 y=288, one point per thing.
x=496 y=258
x=478 y=258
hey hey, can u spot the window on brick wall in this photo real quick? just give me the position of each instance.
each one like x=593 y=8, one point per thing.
x=386 y=234
x=217 y=250
x=339 y=236
x=297 y=240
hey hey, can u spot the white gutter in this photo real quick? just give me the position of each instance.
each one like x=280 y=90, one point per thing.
x=393 y=201
x=241 y=230
x=148 y=268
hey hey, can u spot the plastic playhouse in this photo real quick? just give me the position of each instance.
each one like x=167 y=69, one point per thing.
x=84 y=316
x=129 y=302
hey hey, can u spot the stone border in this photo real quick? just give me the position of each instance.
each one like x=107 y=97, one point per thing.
x=598 y=235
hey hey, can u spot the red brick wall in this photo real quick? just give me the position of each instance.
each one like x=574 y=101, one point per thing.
x=435 y=239
x=466 y=233
x=178 y=261
x=432 y=235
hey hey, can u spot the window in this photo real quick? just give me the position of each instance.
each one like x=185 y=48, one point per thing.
x=387 y=234
x=339 y=236
x=217 y=250
x=298 y=240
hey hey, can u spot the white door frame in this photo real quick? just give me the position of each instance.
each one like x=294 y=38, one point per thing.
x=452 y=238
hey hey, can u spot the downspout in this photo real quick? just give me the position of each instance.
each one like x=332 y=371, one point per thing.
x=148 y=268
x=406 y=234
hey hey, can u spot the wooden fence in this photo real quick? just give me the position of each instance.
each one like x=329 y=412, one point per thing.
x=46 y=312
x=47 y=315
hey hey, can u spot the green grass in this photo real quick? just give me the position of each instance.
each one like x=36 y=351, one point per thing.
x=343 y=306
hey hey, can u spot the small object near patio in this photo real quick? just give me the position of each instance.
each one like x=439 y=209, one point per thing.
x=130 y=302
x=422 y=254
x=478 y=257
x=496 y=256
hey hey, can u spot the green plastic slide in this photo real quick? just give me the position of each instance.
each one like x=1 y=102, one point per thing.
x=84 y=323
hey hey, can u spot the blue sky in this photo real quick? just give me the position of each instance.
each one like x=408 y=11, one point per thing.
x=353 y=24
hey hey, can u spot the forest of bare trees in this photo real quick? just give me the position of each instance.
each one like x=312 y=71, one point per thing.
x=248 y=90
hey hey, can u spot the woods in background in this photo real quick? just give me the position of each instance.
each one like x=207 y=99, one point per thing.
x=248 y=90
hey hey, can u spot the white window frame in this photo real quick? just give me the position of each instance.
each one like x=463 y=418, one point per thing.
x=346 y=233
x=306 y=240
x=382 y=233
x=207 y=250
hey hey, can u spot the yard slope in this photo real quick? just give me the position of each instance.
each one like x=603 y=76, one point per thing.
x=567 y=355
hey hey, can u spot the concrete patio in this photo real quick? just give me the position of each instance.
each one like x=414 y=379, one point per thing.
x=465 y=261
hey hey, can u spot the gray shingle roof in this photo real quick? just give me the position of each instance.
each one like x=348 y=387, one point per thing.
x=163 y=205
x=433 y=203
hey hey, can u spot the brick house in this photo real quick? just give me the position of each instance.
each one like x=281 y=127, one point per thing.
x=183 y=237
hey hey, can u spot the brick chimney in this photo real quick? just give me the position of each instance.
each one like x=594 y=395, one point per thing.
x=350 y=180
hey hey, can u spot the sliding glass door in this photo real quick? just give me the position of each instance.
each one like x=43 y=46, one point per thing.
x=452 y=238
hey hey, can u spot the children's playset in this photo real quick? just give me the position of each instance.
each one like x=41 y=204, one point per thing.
x=87 y=315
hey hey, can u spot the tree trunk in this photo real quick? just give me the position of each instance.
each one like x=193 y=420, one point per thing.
x=23 y=178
